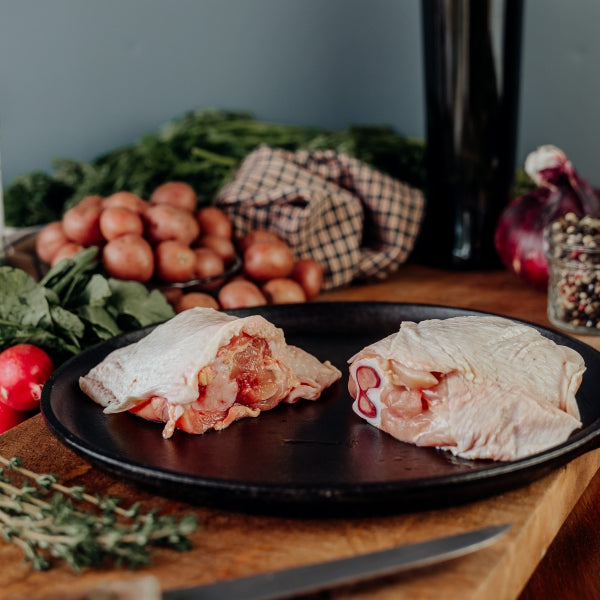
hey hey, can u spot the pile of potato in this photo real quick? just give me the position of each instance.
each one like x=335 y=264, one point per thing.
x=166 y=242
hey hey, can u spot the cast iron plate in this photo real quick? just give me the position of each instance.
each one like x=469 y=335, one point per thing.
x=314 y=458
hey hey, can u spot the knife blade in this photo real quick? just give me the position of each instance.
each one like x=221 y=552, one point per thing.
x=287 y=583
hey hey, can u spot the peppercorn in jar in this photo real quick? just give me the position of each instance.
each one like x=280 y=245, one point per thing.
x=573 y=252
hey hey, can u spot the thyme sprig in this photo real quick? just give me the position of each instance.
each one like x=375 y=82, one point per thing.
x=49 y=521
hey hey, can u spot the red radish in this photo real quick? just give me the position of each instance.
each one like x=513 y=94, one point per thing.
x=519 y=235
x=9 y=418
x=24 y=369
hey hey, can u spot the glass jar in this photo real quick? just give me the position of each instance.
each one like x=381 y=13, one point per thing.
x=573 y=253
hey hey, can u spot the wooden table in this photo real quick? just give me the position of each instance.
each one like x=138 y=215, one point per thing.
x=552 y=550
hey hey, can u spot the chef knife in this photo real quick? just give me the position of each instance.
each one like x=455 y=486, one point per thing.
x=308 y=579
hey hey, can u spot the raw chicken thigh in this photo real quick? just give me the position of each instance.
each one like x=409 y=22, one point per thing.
x=481 y=387
x=204 y=369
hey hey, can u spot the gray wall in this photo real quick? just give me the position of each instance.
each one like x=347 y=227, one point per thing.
x=80 y=77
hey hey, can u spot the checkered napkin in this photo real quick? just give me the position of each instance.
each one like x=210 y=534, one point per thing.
x=358 y=223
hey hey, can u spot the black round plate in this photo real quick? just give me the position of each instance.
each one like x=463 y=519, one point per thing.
x=315 y=458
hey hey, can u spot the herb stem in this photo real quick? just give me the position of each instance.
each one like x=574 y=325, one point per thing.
x=226 y=161
x=45 y=523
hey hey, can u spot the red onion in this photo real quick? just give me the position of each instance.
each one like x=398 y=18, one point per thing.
x=519 y=236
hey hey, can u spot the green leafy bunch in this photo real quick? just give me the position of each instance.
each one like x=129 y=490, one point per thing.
x=203 y=148
x=74 y=306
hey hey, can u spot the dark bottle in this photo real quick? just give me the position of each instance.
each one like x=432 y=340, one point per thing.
x=472 y=52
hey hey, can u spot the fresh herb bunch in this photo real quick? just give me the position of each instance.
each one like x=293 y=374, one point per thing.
x=203 y=148
x=45 y=520
x=74 y=306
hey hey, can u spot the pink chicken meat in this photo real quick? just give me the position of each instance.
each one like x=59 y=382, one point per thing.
x=204 y=369
x=481 y=387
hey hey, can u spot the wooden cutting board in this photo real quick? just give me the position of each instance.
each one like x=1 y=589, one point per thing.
x=230 y=544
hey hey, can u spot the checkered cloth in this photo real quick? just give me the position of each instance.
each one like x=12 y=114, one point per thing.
x=358 y=223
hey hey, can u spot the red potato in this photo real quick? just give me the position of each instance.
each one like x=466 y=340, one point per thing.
x=309 y=274
x=283 y=290
x=241 y=293
x=268 y=260
x=175 y=193
x=92 y=200
x=214 y=221
x=129 y=257
x=257 y=235
x=208 y=263
x=172 y=294
x=50 y=238
x=175 y=262
x=117 y=220
x=68 y=250
x=81 y=223
x=222 y=246
x=24 y=369
x=194 y=299
x=164 y=222
x=126 y=199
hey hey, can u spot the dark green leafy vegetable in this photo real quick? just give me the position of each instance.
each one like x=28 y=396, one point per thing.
x=73 y=307
x=203 y=148
x=35 y=198
x=51 y=522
